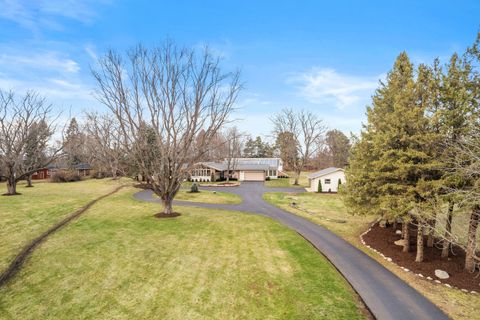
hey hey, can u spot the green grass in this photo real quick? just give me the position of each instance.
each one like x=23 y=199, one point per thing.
x=119 y=262
x=208 y=196
x=188 y=184
x=288 y=182
x=324 y=209
x=24 y=217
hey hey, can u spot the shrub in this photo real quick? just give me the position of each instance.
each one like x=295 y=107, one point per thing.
x=65 y=176
x=267 y=178
x=319 y=186
x=194 y=188
x=339 y=182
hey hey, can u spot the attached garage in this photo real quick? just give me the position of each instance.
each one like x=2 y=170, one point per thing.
x=252 y=175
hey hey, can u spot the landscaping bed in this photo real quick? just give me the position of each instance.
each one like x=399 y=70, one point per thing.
x=382 y=239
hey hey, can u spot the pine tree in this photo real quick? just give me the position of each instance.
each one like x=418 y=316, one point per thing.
x=389 y=162
x=455 y=115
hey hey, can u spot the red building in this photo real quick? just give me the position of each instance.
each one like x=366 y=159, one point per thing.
x=41 y=174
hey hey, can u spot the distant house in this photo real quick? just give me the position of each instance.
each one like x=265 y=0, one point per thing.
x=243 y=169
x=41 y=174
x=83 y=169
x=329 y=178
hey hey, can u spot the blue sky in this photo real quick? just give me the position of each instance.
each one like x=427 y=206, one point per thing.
x=324 y=56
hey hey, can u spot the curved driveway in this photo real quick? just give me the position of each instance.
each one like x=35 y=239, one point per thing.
x=386 y=295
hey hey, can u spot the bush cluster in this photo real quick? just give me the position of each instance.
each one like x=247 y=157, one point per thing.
x=65 y=176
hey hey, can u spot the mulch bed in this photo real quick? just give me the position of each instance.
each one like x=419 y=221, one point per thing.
x=382 y=239
x=162 y=215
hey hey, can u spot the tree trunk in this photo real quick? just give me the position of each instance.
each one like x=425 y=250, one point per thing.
x=29 y=181
x=406 y=236
x=114 y=173
x=11 y=186
x=419 y=257
x=167 y=206
x=448 y=230
x=472 y=239
x=431 y=232
x=228 y=176
x=297 y=178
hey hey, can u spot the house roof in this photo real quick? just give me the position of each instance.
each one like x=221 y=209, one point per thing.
x=80 y=166
x=219 y=166
x=222 y=166
x=324 y=172
x=250 y=166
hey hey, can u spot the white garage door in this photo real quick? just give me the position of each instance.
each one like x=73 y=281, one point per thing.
x=254 y=176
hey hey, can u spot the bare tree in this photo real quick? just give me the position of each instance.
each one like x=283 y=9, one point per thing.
x=26 y=130
x=306 y=129
x=233 y=149
x=467 y=166
x=104 y=142
x=173 y=94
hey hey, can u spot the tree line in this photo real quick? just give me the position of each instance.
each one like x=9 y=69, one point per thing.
x=167 y=108
x=417 y=158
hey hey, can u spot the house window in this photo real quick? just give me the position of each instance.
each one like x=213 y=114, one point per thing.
x=327 y=181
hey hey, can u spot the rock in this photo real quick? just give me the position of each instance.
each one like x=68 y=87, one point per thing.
x=447 y=285
x=465 y=290
x=382 y=224
x=406 y=270
x=429 y=278
x=437 y=281
x=441 y=274
x=398 y=232
x=388 y=259
x=400 y=242
x=420 y=275
x=474 y=292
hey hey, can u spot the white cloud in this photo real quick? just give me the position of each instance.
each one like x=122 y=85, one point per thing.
x=44 y=60
x=323 y=86
x=39 y=14
x=48 y=72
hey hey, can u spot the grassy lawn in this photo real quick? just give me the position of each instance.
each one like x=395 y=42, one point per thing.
x=119 y=262
x=456 y=304
x=208 y=196
x=188 y=184
x=288 y=182
x=327 y=210
x=26 y=216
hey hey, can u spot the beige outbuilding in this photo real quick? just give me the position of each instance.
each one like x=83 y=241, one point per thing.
x=329 y=178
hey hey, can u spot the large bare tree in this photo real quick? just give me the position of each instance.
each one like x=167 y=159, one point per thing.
x=26 y=130
x=307 y=130
x=163 y=98
x=104 y=143
x=233 y=149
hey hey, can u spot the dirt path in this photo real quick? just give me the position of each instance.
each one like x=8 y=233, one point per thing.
x=20 y=259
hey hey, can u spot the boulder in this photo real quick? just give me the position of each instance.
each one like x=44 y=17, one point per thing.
x=441 y=274
x=400 y=242
x=398 y=232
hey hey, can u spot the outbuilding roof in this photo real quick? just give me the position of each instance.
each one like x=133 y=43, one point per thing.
x=324 y=172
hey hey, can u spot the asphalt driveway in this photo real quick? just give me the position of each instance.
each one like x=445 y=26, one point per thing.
x=386 y=295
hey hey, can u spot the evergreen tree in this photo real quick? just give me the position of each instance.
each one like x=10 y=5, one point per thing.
x=455 y=116
x=73 y=147
x=339 y=147
x=389 y=163
x=286 y=144
x=257 y=148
